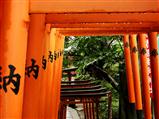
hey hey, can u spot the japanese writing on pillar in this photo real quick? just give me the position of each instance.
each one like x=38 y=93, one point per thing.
x=33 y=69
x=11 y=81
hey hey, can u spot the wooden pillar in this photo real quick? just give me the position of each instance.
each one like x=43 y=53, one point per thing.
x=45 y=75
x=144 y=73
x=61 y=49
x=13 y=44
x=155 y=70
x=32 y=95
x=135 y=70
x=136 y=75
x=50 y=73
x=129 y=74
x=57 y=76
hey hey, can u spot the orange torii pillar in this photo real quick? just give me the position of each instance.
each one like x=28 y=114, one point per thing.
x=13 y=45
x=45 y=74
x=136 y=74
x=54 y=71
x=61 y=51
x=155 y=70
x=144 y=75
x=33 y=79
x=129 y=74
x=57 y=75
x=50 y=73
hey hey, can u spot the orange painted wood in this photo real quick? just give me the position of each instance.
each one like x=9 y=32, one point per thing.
x=107 y=25
x=50 y=77
x=56 y=78
x=144 y=75
x=88 y=29
x=102 y=18
x=45 y=79
x=1 y=50
x=60 y=6
x=155 y=70
x=57 y=73
x=65 y=30
x=32 y=96
x=61 y=38
x=46 y=74
x=129 y=74
x=135 y=70
x=54 y=83
x=1 y=13
x=99 y=31
x=13 y=46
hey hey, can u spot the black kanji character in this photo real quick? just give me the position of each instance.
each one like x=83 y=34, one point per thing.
x=126 y=44
x=50 y=56
x=33 y=68
x=0 y=78
x=143 y=51
x=134 y=49
x=44 y=63
x=55 y=55
x=154 y=52
x=60 y=52
x=10 y=79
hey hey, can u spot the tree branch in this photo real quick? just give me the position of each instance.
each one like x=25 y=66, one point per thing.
x=101 y=74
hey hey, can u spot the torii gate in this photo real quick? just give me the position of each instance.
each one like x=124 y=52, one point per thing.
x=31 y=42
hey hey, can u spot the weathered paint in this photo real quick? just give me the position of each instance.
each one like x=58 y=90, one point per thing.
x=144 y=77
x=33 y=86
x=135 y=70
x=13 y=45
x=129 y=74
x=155 y=70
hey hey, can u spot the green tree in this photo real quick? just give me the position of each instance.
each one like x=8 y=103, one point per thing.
x=101 y=59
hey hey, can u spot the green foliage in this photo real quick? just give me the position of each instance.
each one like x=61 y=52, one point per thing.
x=105 y=52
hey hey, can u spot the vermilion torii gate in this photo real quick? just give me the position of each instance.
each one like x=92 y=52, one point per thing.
x=31 y=48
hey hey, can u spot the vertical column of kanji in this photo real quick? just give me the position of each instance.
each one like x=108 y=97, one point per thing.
x=55 y=76
x=50 y=73
x=59 y=77
x=144 y=77
x=129 y=74
x=136 y=74
x=32 y=94
x=155 y=70
x=57 y=73
x=45 y=64
x=13 y=45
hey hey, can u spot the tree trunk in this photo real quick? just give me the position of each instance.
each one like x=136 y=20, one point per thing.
x=126 y=110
